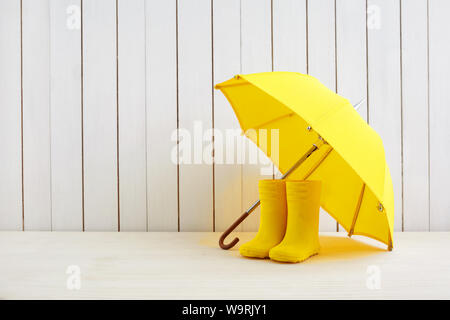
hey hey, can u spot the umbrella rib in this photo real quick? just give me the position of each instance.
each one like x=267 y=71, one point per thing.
x=358 y=207
x=318 y=163
x=390 y=246
x=263 y=124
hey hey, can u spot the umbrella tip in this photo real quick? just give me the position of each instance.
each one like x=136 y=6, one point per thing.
x=356 y=106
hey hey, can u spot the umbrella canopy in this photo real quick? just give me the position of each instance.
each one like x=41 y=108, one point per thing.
x=357 y=188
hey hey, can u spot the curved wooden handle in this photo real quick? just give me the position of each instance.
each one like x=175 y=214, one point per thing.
x=231 y=229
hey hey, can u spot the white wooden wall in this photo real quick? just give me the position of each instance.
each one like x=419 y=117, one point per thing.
x=91 y=92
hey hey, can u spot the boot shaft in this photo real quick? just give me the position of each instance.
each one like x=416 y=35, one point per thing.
x=303 y=205
x=272 y=194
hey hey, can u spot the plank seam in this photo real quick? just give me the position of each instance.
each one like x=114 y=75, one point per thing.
x=178 y=119
x=401 y=116
x=428 y=114
x=21 y=112
x=335 y=50
x=335 y=67
x=212 y=121
x=50 y=116
x=82 y=117
x=367 y=70
x=240 y=71
x=271 y=33
x=117 y=117
x=307 y=36
x=271 y=56
x=145 y=116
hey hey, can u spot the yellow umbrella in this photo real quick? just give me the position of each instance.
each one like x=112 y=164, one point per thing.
x=321 y=137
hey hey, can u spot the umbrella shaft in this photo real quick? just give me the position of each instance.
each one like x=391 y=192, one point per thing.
x=300 y=161
x=253 y=206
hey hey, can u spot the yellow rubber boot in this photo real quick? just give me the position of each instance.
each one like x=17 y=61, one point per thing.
x=272 y=225
x=301 y=240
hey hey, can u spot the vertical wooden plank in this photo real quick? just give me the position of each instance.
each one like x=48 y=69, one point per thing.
x=36 y=114
x=100 y=115
x=439 y=46
x=289 y=36
x=10 y=117
x=321 y=61
x=256 y=51
x=351 y=62
x=227 y=61
x=195 y=112
x=384 y=87
x=65 y=108
x=321 y=42
x=131 y=106
x=415 y=114
x=161 y=110
x=289 y=39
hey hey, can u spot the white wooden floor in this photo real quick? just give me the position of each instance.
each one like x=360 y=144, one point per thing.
x=191 y=266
